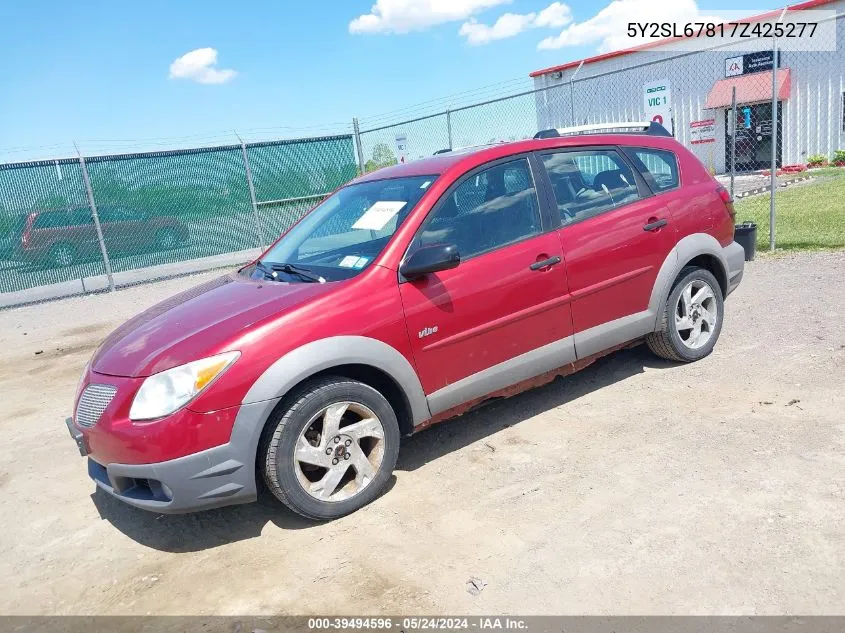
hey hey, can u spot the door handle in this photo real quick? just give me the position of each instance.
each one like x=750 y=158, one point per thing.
x=545 y=263
x=656 y=224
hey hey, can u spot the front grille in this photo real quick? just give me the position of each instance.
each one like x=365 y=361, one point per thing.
x=92 y=403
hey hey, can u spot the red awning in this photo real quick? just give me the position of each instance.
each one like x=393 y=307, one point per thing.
x=753 y=88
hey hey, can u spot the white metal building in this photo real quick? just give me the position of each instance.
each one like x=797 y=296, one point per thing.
x=631 y=84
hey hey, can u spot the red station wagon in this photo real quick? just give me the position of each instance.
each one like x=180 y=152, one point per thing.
x=68 y=236
x=409 y=296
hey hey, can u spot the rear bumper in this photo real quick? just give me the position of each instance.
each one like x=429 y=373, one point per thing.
x=735 y=260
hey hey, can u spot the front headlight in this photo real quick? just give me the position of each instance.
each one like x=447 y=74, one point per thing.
x=164 y=393
x=80 y=382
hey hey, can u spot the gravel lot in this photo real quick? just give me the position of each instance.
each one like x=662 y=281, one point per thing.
x=636 y=486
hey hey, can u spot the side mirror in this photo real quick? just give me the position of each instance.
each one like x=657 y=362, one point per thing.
x=430 y=259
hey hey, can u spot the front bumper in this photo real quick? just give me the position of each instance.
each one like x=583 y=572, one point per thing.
x=210 y=479
x=216 y=477
x=735 y=260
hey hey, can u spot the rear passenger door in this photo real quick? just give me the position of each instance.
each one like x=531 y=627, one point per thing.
x=121 y=228
x=502 y=315
x=615 y=235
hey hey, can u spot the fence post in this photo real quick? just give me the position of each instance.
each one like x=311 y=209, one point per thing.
x=449 y=126
x=773 y=180
x=358 y=148
x=262 y=239
x=773 y=177
x=572 y=94
x=96 y=217
x=733 y=138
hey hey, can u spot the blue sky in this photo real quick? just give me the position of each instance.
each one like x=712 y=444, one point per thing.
x=100 y=71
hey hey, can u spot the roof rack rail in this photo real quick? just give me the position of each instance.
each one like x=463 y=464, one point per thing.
x=651 y=128
x=466 y=148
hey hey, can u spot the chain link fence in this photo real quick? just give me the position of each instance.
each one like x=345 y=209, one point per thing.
x=157 y=209
x=769 y=123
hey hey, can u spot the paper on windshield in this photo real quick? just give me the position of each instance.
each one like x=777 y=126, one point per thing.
x=377 y=216
x=349 y=261
x=353 y=261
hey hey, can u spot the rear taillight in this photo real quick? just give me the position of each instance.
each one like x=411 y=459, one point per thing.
x=725 y=196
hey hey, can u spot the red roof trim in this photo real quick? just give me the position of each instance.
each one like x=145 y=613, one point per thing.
x=809 y=4
x=753 y=88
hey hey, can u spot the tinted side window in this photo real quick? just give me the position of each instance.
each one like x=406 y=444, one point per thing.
x=587 y=183
x=58 y=219
x=662 y=165
x=488 y=210
x=116 y=214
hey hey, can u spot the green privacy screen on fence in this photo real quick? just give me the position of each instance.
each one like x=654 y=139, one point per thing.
x=158 y=208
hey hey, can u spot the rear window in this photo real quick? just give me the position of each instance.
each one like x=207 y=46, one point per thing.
x=658 y=166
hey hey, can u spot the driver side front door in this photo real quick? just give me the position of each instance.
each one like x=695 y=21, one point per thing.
x=502 y=315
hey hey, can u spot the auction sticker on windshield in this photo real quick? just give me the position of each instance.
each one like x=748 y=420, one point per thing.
x=377 y=216
x=353 y=261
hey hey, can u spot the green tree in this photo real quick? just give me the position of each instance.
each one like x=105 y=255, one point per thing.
x=51 y=201
x=383 y=156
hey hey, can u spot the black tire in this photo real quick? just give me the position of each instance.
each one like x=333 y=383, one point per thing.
x=275 y=457
x=167 y=239
x=667 y=341
x=62 y=254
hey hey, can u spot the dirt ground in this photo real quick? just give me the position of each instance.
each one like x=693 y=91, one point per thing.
x=635 y=487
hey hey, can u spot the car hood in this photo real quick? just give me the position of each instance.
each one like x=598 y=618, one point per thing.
x=197 y=323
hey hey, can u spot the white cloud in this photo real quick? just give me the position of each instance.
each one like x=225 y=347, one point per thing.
x=198 y=65
x=556 y=14
x=508 y=25
x=402 y=16
x=608 y=28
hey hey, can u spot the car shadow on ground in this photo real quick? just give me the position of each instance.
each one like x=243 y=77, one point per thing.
x=213 y=528
x=492 y=417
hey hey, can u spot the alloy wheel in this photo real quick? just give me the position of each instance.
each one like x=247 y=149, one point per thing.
x=339 y=452
x=696 y=314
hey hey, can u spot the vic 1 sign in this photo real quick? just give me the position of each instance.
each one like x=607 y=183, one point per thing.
x=401 y=147
x=657 y=99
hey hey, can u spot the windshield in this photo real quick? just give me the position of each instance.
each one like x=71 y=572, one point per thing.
x=342 y=235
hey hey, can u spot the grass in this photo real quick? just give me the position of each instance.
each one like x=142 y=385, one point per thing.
x=808 y=216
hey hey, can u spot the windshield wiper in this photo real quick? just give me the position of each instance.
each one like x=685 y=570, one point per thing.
x=271 y=268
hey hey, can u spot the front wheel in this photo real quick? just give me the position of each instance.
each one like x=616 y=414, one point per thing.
x=333 y=450
x=692 y=317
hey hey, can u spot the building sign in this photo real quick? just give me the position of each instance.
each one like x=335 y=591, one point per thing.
x=702 y=131
x=657 y=99
x=750 y=63
x=734 y=66
x=402 y=147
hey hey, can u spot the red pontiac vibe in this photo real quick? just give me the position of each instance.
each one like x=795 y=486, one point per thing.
x=408 y=296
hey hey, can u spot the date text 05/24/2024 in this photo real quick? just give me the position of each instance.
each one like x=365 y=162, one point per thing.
x=408 y=624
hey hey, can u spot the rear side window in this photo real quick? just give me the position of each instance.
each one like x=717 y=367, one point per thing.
x=659 y=167
x=59 y=219
x=588 y=183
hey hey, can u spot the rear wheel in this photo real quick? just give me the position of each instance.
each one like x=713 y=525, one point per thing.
x=62 y=254
x=692 y=317
x=333 y=450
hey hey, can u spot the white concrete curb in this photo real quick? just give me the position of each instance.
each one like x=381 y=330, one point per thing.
x=126 y=278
